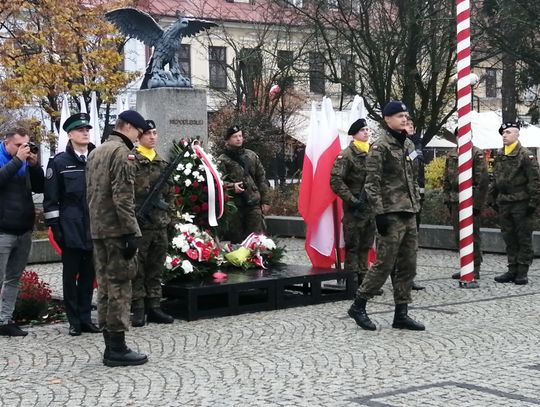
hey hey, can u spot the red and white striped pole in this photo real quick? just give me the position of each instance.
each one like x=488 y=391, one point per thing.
x=466 y=241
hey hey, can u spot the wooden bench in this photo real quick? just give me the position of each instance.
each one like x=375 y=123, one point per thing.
x=256 y=290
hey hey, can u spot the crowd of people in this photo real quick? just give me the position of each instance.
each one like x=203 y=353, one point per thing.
x=91 y=196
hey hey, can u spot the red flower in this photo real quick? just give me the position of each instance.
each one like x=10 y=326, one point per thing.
x=204 y=206
x=196 y=208
x=225 y=198
x=216 y=252
x=195 y=184
x=175 y=262
x=180 y=201
x=192 y=254
x=206 y=254
x=176 y=189
x=205 y=188
x=193 y=198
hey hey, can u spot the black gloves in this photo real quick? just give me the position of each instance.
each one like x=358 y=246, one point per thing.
x=57 y=234
x=382 y=224
x=129 y=246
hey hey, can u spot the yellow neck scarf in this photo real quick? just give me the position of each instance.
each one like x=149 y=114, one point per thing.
x=149 y=153
x=361 y=145
x=510 y=148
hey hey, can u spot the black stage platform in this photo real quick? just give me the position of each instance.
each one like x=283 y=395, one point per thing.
x=256 y=290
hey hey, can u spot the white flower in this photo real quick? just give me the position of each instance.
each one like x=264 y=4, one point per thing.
x=187 y=171
x=187 y=267
x=200 y=178
x=180 y=167
x=196 y=173
x=194 y=156
x=187 y=217
x=186 y=154
x=176 y=178
x=189 y=165
x=178 y=241
x=201 y=167
x=268 y=243
x=168 y=263
x=187 y=182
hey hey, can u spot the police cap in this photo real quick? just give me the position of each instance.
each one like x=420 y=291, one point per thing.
x=77 y=121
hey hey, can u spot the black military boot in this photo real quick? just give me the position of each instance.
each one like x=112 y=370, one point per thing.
x=137 y=317
x=403 y=321
x=509 y=276
x=118 y=354
x=159 y=317
x=456 y=275
x=359 y=314
x=521 y=275
x=417 y=287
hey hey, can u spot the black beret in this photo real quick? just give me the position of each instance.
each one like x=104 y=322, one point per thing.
x=151 y=124
x=231 y=130
x=393 y=107
x=357 y=126
x=135 y=119
x=77 y=121
x=507 y=125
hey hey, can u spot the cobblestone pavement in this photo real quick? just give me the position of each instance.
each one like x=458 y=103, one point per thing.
x=480 y=349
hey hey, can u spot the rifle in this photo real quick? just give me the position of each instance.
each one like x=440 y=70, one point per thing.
x=152 y=200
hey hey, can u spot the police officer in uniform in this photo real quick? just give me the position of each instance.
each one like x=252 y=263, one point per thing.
x=244 y=174
x=393 y=194
x=153 y=245
x=480 y=180
x=347 y=181
x=515 y=194
x=110 y=179
x=66 y=212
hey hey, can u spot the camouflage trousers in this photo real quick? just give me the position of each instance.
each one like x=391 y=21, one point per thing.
x=114 y=274
x=150 y=260
x=398 y=248
x=476 y=233
x=248 y=219
x=516 y=227
x=358 y=234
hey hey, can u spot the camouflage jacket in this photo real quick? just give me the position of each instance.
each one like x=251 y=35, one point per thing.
x=110 y=176
x=515 y=178
x=391 y=184
x=348 y=175
x=146 y=174
x=480 y=178
x=244 y=165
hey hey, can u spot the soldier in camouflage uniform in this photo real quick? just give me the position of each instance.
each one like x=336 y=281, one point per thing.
x=515 y=194
x=153 y=245
x=244 y=173
x=110 y=175
x=393 y=194
x=480 y=182
x=347 y=181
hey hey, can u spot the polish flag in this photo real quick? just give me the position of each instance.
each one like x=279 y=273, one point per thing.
x=316 y=198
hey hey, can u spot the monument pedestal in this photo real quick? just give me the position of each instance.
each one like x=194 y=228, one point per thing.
x=178 y=113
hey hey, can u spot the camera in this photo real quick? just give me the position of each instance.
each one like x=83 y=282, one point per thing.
x=34 y=149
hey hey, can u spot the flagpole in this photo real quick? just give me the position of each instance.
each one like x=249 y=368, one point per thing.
x=337 y=234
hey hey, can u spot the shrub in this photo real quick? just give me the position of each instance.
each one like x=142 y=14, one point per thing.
x=33 y=298
x=435 y=173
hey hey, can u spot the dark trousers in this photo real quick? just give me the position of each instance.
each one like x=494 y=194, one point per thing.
x=78 y=284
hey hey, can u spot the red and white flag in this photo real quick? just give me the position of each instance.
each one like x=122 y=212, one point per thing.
x=316 y=198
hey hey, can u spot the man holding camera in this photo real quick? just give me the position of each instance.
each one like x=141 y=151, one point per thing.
x=245 y=176
x=110 y=177
x=20 y=175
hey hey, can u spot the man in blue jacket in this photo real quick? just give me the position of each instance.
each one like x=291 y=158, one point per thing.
x=20 y=174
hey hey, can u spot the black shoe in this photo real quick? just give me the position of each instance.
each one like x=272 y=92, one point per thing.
x=521 y=275
x=417 y=287
x=456 y=276
x=11 y=329
x=403 y=321
x=507 y=277
x=360 y=316
x=138 y=317
x=90 y=327
x=118 y=354
x=159 y=317
x=74 y=330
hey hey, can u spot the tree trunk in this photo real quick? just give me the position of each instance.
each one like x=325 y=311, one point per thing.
x=508 y=90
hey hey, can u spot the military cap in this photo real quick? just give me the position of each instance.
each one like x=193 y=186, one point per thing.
x=393 y=107
x=357 y=126
x=135 y=119
x=507 y=125
x=231 y=130
x=77 y=121
x=151 y=124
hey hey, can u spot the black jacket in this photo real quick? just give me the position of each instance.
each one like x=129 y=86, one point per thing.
x=17 y=211
x=65 y=198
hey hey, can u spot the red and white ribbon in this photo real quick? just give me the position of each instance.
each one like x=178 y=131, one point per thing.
x=214 y=184
x=466 y=241
x=252 y=242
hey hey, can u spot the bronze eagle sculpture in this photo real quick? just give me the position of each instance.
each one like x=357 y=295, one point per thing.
x=140 y=25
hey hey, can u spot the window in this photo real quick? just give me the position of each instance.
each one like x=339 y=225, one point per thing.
x=251 y=66
x=491 y=83
x=316 y=73
x=217 y=59
x=293 y=3
x=284 y=59
x=332 y=4
x=184 y=58
x=348 y=76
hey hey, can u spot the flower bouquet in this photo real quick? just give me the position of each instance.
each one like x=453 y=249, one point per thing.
x=256 y=251
x=33 y=297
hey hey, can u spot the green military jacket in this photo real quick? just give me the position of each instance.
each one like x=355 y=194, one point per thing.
x=515 y=177
x=243 y=165
x=146 y=174
x=480 y=178
x=110 y=176
x=391 y=184
x=348 y=175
